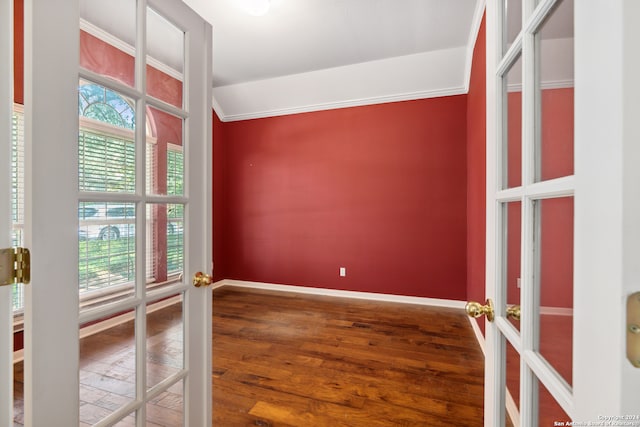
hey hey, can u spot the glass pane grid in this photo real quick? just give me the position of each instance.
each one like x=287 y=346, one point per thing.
x=17 y=196
x=165 y=45
x=555 y=77
x=168 y=407
x=535 y=148
x=111 y=226
x=175 y=171
x=553 y=277
x=107 y=371
x=511 y=161
x=106 y=140
x=512 y=19
x=165 y=243
x=112 y=56
x=106 y=245
x=165 y=174
x=165 y=342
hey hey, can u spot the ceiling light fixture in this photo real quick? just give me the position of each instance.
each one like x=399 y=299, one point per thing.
x=255 y=7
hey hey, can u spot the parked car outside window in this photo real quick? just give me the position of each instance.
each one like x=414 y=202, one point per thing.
x=106 y=221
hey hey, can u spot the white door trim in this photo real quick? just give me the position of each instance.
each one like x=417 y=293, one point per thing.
x=6 y=306
x=607 y=109
x=51 y=300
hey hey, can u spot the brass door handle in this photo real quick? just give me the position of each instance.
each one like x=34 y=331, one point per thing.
x=514 y=312
x=475 y=309
x=201 y=279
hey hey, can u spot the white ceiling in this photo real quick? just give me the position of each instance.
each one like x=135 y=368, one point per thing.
x=298 y=36
x=308 y=55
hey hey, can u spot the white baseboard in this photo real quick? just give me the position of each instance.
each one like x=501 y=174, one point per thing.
x=556 y=311
x=434 y=302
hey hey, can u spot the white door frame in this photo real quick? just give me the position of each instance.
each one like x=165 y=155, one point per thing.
x=51 y=301
x=6 y=307
x=607 y=247
x=607 y=212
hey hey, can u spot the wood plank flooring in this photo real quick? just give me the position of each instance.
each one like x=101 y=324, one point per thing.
x=107 y=372
x=284 y=359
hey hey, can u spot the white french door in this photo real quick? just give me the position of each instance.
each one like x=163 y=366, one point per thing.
x=117 y=112
x=562 y=207
x=6 y=306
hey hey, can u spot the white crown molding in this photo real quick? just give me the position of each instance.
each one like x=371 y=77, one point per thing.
x=434 y=302
x=473 y=38
x=403 y=78
x=340 y=104
x=217 y=108
x=125 y=47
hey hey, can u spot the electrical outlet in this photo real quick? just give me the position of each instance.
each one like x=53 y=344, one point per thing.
x=519 y=283
x=343 y=271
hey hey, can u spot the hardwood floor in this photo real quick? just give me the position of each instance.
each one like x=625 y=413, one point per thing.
x=107 y=372
x=285 y=359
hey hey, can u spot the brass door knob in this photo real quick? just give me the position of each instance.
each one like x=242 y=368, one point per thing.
x=201 y=279
x=514 y=312
x=475 y=309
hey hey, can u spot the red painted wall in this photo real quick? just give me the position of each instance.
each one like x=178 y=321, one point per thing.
x=380 y=190
x=18 y=51
x=394 y=192
x=476 y=183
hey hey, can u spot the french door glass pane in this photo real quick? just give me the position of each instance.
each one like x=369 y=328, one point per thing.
x=513 y=373
x=17 y=194
x=165 y=59
x=107 y=369
x=18 y=394
x=108 y=38
x=511 y=258
x=555 y=281
x=165 y=244
x=166 y=177
x=512 y=127
x=549 y=412
x=167 y=409
x=106 y=243
x=165 y=342
x=106 y=140
x=555 y=140
x=128 y=421
x=513 y=21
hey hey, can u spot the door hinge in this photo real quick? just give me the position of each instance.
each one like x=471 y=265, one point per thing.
x=633 y=329
x=15 y=266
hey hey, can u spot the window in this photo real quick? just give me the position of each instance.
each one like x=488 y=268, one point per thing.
x=175 y=213
x=17 y=192
x=106 y=163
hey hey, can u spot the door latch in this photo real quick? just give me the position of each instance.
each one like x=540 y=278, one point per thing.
x=15 y=266
x=633 y=329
